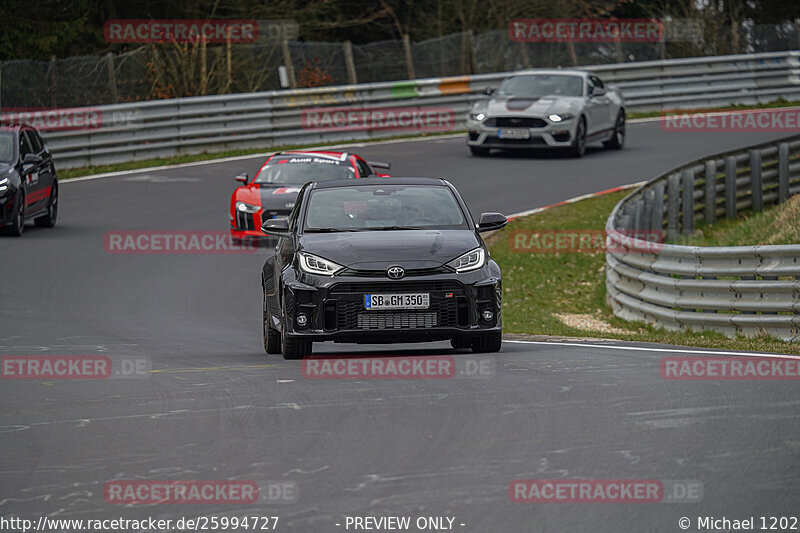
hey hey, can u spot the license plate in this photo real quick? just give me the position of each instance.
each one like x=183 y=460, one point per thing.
x=513 y=134
x=377 y=302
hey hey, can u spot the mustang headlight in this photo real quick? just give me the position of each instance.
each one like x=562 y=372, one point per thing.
x=477 y=116
x=317 y=265
x=471 y=260
x=246 y=208
x=4 y=185
x=561 y=117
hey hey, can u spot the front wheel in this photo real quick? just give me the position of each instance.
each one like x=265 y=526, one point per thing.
x=17 y=225
x=487 y=343
x=272 y=338
x=578 y=147
x=49 y=220
x=617 y=141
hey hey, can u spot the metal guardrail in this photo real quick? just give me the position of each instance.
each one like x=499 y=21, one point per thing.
x=163 y=128
x=740 y=290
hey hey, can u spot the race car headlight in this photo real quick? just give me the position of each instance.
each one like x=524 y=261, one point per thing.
x=317 y=265
x=563 y=117
x=477 y=116
x=246 y=208
x=4 y=185
x=471 y=260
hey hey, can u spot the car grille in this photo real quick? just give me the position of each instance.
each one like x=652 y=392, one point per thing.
x=514 y=122
x=443 y=310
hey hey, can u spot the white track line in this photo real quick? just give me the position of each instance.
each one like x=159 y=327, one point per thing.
x=668 y=350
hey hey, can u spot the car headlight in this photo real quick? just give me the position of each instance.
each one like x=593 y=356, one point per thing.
x=4 y=185
x=561 y=117
x=477 y=116
x=317 y=265
x=246 y=208
x=471 y=260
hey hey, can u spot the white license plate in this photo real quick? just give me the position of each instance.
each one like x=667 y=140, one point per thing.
x=513 y=134
x=377 y=302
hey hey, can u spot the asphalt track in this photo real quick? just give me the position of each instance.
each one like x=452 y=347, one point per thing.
x=216 y=407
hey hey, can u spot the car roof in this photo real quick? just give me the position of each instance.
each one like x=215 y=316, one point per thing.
x=378 y=181
x=17 y=127
x=339 y=156
x=553 y=72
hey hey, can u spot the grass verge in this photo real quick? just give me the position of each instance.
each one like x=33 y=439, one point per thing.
x=564 y=294
x=780 y=102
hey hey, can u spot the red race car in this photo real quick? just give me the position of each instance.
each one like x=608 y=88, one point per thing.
x=273 y=190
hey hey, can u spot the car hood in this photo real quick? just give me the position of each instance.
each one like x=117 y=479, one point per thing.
x=535 y=107
x=378 y=250
x=268 y=196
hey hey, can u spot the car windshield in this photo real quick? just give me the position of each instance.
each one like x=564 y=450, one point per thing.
x=383 y=207
x=287 y=172
x=6 y=147
x=536 y=85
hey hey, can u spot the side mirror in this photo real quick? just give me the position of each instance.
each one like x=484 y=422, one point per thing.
x=276 y=227
x=598 y=91
x=31 y=159
x=243 y=177
x=488 y=91
x=377 y=165
x=491 y=222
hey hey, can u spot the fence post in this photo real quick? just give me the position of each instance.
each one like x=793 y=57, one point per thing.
x=657 y=214
x=468 y=65
x=112 y=78
x=687 y=179
x=349 y=63
x=711 y=192
x=409 y=58
x=52 y=80
x=287 y=60
x=783 y=172
x=730 y=187
x=755 y=180
x=672 y=206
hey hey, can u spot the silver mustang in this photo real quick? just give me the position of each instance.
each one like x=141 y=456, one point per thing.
x=547 y=109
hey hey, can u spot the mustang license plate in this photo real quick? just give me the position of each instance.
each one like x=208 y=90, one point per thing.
x=516 y=133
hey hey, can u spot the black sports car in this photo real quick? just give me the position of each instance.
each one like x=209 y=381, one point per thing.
x=396 y=260
x=28 y=181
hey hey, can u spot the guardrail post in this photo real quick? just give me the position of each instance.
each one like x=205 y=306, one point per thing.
x=647 y=216
x=672 y=206
x=638 y=214
x=687 y=179
x=783 y=172
x=755 y=180
x=730 y=187
x=657 y=215
x=711 y=192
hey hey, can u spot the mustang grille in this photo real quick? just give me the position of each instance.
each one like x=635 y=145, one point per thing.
x=514 y=122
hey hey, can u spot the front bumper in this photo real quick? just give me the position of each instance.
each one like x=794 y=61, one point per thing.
x=334 y=307
x=7 y=206
x=549 y=135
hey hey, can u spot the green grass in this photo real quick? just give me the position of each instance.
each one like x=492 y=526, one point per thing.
x=537 y=286
x=780 y=102
x=775 y=225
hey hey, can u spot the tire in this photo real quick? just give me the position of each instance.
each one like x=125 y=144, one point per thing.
x=49 y=220
x=479 y=151
x=460 y=343
x=272 y=337
x=487 y=343
x=295 y=348
x=17 y=225
x=617 y=141
x=578 y=147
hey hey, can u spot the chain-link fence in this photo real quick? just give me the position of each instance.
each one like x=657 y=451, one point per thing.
x=170 y=70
